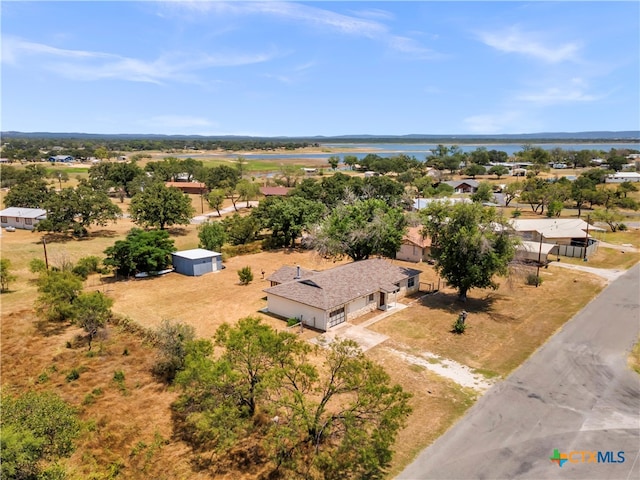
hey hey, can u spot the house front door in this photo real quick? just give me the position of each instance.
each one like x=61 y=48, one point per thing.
x=383 y=301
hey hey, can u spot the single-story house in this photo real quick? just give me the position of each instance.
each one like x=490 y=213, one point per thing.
x=19 y=217
x=415 y=246
x=274 y=191
x=325 y=299
x=61 y=159
x=195 y=188
x=463 y=186
x=569 y=234
x=196 y=262
x=621 y=177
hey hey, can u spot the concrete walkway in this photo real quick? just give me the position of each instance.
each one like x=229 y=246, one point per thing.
x=206 y=216
x=608 y=274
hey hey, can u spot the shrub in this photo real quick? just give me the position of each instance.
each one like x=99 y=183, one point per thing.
x=37 y=265
x=623 y=227
x=245 y=275
x=516 y=213
x=74 y=374
x=87 y=266
x=458 y=326
x=533 y=279
x=292 y=321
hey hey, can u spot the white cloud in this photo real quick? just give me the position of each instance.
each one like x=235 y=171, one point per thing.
x=87 y=65
x=364 y=24
x=573 y=91
x=514 y=40
x=493 y=123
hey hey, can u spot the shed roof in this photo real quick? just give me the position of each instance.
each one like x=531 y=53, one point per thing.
x=535 y=247
x=267 y=191
x=23 y=212
x=340 y=285
x=196 y=254
x=554 y=227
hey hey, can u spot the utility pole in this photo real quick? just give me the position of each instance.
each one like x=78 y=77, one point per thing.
x=586 y=240
x=44 y=245
x=539 y=258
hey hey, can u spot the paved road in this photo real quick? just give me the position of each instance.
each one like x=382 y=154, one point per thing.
x=576 y=393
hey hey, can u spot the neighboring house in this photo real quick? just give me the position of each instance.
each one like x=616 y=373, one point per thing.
x=569 y=235
x=274 y=191
x=322 y=300
x=415 y=246
x=61 y=159
x=420 y=203
x=621 y=177
x=195 y=188
x=19 y=217
x=196 y=262
x=463 y=186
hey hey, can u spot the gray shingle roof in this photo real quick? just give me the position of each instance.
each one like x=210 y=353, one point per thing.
x=340 y=285
x=288 y=273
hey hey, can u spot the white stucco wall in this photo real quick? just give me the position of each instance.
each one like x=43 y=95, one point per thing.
x=409 y=253
x=313 y=317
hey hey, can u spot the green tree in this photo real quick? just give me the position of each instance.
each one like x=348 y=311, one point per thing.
x=241 y=230
x=511 y=191
x=28 y=194
x=351 y=161
x=360 y=230
x=335 y=421
x=58 y=290
x=247 y=190
x=77 y=208
x=60 y=176
x=474 y=169
x=287 y=217
x=480 y=156
x=483 y=194
x=470 y=243
x=171 y=341
x=625 y=188
x=581 y=189
x=333 y=161
x=141 y=251
x=161 y=206
x=215 y=199
x=91 y=311
x=289 y=175
x=6 y=276
x=245 y=275
x=212 y=236
x=610 y=216
x=37 y=428
x=498 y=171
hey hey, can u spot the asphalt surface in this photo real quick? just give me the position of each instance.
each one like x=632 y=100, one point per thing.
x=575 y=394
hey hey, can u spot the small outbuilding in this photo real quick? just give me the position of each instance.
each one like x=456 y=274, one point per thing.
x=196 y=262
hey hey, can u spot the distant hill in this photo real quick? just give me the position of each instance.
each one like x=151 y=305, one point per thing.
x=596 y=136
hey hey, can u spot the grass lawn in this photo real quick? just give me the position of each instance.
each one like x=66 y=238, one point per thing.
x=610 y=258
x=504 y=327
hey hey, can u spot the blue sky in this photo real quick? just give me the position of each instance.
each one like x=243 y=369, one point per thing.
x=320 y=68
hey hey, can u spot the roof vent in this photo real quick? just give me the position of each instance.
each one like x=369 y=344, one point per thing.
x=297 y=277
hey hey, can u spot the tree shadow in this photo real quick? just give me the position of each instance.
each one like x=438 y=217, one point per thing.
x=48 y=328
x=178 y=231
x=450 y=302
x=104 y=233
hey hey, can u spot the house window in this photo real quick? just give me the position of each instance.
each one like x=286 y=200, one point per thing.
x=27 y=221
x=411 y=282
x=4 y=219
x=370 y=299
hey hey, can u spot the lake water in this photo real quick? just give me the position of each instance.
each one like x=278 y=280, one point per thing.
x=421 y=150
